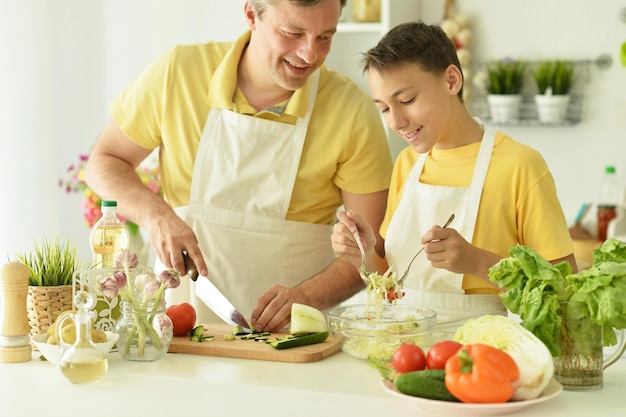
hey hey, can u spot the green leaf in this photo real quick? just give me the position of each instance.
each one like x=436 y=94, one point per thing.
x=51 y=263
x=505 y=77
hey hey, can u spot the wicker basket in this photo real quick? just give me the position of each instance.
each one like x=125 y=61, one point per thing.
x=44 y=305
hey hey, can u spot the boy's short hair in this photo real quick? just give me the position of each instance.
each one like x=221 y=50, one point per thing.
x=414 y=42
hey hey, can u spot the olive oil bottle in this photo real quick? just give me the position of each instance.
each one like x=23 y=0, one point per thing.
x=108 y=236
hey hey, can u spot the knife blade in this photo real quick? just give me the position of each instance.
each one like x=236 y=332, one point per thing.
x=214 y=299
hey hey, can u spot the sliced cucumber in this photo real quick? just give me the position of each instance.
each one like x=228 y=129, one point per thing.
x=306 y=319
x=298 y=340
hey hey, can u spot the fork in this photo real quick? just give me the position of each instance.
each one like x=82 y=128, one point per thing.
x=363 y=269
x=406 y=271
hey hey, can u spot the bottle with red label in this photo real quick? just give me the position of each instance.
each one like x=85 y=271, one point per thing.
x=610 y=198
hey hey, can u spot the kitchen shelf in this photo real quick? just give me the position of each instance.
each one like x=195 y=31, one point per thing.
x=477 y=104
x=528 y=112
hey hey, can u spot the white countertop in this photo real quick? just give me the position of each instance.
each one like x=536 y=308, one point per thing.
x=191 y=385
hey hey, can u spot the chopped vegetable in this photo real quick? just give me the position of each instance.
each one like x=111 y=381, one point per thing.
x=480 y=373
x=381 y=288
x=197 y=335
x=255 y=336
x=306 y=319
x=530 y=354
x=298 y=340
x=362 y=345
x=238 y=330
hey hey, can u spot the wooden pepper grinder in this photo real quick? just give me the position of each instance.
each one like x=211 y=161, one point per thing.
x=14 y=328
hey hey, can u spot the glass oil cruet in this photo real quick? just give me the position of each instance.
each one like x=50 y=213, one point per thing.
x=81 y=362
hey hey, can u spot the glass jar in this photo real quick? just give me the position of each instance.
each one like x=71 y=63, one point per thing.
x=366 y=10
x=145 y=331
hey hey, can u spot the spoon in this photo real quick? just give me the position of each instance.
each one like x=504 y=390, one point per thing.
x=406 y=272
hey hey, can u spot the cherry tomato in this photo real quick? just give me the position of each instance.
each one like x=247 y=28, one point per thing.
x=439 y=353
x=392 y=294
x=183 y=318
x=408 y=358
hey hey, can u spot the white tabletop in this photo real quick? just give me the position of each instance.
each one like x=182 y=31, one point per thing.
x=190 y=385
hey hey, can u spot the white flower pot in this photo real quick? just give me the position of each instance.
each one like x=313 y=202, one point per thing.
x=504 y=108
x=552 y=109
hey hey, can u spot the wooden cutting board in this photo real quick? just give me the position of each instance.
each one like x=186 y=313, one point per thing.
x=249 y=349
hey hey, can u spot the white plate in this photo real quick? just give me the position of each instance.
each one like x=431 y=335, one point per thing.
x=464 y=409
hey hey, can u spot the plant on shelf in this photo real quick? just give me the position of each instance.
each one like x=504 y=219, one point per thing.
x=506 y=76
x=555 y=76
x=554 y=79
x=504 y=82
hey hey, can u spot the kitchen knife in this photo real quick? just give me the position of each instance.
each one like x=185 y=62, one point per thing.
x=214 y=299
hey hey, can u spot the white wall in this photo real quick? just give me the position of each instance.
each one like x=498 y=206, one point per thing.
x=62 y=61
x=575 y=29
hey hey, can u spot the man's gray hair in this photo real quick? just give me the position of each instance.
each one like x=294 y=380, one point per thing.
x=261 y=5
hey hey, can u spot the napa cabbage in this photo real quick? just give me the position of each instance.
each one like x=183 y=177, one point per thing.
x=531 y=355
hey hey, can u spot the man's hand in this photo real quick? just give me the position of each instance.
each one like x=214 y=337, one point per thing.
x=273 y=309
x=170 y=236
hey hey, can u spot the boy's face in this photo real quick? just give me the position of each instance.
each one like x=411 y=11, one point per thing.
x=416 y=104
x=290 y=42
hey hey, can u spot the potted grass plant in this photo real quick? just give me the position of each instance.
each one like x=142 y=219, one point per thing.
x=554 y=80
x=50 y=286
x=504 y=83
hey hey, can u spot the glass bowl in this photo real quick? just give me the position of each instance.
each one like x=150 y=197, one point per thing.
x=365 y=332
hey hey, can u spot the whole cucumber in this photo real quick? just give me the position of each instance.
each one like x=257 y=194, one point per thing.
x=425 y=384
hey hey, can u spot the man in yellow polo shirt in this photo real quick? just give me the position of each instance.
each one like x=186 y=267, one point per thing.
x=259 y=144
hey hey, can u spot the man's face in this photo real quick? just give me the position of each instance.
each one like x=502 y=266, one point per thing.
x=291 y=42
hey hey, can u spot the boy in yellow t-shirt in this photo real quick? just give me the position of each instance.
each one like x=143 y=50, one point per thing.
x=500 y=190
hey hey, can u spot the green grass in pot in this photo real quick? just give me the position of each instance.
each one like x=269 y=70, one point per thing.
x=51 y=263
x=557 y=75
x=505 y=76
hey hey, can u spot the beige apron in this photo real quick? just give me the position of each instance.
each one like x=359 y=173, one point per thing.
x=422 y=206
x=241 y=188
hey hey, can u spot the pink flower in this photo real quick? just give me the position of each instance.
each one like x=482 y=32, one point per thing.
x=75 y=183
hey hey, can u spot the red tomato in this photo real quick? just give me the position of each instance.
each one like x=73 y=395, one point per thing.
x=408 y=358
x=183 y=317
x=439 y=353
x=392 y=294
